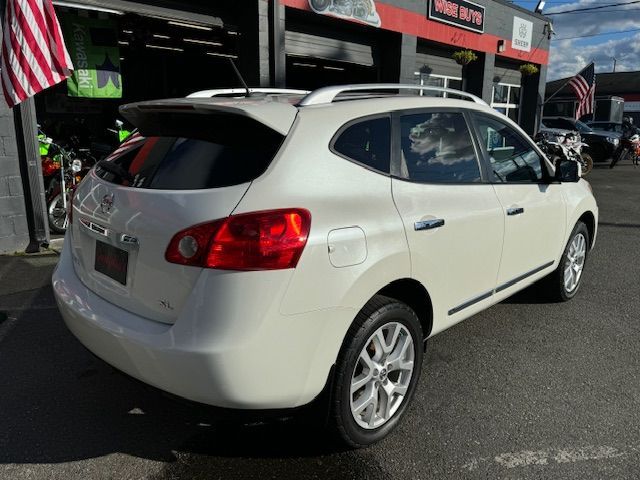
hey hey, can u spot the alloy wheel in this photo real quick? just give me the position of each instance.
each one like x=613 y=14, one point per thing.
x=575 y=262
x=381 y=376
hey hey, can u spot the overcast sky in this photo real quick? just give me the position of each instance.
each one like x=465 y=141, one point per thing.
x=570 y=55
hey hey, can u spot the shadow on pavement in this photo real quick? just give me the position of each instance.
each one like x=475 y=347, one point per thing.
x=61 y=404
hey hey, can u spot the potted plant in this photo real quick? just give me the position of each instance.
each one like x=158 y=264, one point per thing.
x=528 y=69
x=464 y=58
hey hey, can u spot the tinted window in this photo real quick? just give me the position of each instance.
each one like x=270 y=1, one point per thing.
x=367 y=142
x=193 y=152
x=437 y=148
x=512 y=158
x=560 y=123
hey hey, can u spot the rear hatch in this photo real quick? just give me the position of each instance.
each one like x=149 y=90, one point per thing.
x=189 y=163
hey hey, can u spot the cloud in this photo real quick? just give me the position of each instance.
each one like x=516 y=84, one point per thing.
x=569 y=56
x=624 y=17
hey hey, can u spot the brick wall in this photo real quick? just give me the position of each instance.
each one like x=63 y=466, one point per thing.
x=14 y=235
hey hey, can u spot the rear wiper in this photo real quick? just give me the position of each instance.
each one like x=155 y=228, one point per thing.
x=109 y=166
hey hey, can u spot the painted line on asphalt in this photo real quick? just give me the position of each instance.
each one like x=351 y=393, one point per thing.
x=549 y=456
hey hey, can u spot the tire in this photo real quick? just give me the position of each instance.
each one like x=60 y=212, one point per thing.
x=618 y=158
x=555 y=286
x=588 y=162
x=57 y=214
x=385 y=315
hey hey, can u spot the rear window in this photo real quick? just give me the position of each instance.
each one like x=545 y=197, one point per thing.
x=181 y=154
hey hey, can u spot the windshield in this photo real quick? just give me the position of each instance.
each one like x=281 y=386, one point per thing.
x=582 y=127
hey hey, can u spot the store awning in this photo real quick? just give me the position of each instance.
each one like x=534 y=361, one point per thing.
x=121 y=6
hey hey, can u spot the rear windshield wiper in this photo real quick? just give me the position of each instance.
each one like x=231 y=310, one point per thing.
x=109 y=166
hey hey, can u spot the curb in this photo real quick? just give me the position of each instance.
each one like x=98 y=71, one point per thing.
x=56 y=245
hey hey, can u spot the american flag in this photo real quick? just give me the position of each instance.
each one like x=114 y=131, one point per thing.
x=34 y=56
x=584 y=86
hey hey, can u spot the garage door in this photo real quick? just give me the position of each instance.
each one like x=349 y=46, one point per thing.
x=342 y=48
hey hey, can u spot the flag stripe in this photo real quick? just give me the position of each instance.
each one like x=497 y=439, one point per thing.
x=22 y=36
x=35 y=18
x=34 y=56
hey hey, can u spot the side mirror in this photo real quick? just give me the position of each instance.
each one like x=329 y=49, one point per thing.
x=567 y=171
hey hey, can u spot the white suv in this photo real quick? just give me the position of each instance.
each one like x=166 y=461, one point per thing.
x=255 y=252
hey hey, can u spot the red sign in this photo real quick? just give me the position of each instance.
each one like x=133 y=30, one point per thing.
x=460 y=13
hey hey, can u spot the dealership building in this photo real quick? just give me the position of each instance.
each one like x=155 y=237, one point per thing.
x=138 y=51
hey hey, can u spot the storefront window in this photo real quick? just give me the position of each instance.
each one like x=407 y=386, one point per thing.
x=437 y=81
x=506 y=100
x=500 y=93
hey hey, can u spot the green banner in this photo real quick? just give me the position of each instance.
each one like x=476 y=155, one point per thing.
x=93 y=47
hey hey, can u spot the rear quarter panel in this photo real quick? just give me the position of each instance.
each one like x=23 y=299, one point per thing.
x=339 y=194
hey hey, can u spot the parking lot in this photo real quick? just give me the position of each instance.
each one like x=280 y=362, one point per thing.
x=522 y=390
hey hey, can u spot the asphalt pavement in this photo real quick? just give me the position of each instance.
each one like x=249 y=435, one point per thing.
x=524 y=390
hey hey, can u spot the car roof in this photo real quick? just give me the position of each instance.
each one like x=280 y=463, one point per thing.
x=277 y=108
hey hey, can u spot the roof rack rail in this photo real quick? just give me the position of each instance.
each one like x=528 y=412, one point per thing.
x=329 y=94
x=241 y=91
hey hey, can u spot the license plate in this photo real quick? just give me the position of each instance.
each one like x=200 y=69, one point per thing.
x=111 y=261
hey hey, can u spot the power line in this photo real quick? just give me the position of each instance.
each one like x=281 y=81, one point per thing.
x=593 y=8
x=614 y=10
x=598 y=34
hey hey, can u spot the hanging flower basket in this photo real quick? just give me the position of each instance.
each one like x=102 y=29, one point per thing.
x=464 y=57
x=528 y=69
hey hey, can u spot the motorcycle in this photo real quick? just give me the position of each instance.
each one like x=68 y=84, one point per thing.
x=565 y=147
x=62 y=170
x=629 y=150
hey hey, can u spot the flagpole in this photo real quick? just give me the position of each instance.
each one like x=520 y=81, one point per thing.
x=557 y=91
x=28 y=153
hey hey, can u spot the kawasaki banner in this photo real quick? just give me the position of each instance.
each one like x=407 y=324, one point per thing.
x=93 y=46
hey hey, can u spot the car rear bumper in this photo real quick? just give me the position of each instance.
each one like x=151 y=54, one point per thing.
x=255 y=358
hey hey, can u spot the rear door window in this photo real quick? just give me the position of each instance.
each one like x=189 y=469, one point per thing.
x=436 y=147
x=189 y=156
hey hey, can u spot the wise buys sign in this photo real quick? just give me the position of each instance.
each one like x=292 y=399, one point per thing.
x=93 y=47
x=460 y=13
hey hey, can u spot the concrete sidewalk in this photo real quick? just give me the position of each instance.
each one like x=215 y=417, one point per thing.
x=25 y=284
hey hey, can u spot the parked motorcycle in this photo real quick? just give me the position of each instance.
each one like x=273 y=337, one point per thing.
x=629 y=149
x=565 y=146
x=62 y=170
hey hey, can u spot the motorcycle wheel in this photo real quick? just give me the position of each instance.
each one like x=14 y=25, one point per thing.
x=320 y=5
x=617 y=158
x=587 y=161
x=58 y=220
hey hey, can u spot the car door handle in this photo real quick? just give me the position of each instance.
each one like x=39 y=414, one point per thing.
x=515 y=211
x=428 y=224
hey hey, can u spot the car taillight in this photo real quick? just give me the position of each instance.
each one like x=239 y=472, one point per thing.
x=266 y=240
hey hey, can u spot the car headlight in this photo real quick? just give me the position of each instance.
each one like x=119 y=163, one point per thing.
x=614 y=140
